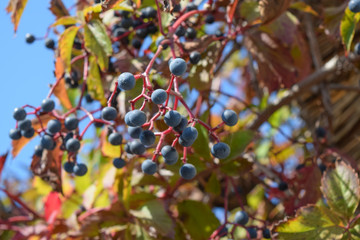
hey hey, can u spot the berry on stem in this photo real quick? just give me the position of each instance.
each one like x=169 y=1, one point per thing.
x=147 y=138
x=229 y=117
x=195 y=57
x=53 y=126
x=169 y=154
x=148 y=12
x=38 y=150
x=24 y=124
x=28 y=133
x=135 y=118
x=220 y=150
x=136 y=147
x=15 y=134
x=182 y=125
x=185 y=143
x=115 y=138
x=149 y=167
x=19 y=114
x=177 y=66
x=159 y=96
x=190 y=33
x=180 y=31
x=71 y=123
x=283 y=186
x=108 y=113
x=29 y=38
x=252 y=232
x=119 y=163
x=136 y=43
x=187 y=171
x=190 y=134
x=191 y=7
x=126 y=81
x=241 y=217
x=47 y=105
x=72 y=145
x=80 y=169
x=135 y=132
x=49 y=43
x=172 y=118
x=47 y=142
x=266 y=233
x=357 y=48
x=210 y=19
x=69 y=167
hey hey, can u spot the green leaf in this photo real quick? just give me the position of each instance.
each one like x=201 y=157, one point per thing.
x=311 y=222
x=238 y=142
x=66 y=20
x=198 y=219
x=98 y=42
x=94 y=84
x=213 y=185
x=16 y=8
x=340 y=187
x=201 y=145
x=66 y=42
x=153 y=214
x=347 y=27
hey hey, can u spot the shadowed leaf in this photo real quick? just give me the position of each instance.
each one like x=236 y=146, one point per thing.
x=271 y=9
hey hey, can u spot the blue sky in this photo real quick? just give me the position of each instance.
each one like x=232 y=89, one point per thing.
x=26 y=72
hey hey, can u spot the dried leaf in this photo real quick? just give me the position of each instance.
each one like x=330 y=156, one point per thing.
x=58 y=8
x=17 y=145
x=271 y=9
x=60 y=89
x=16 y=8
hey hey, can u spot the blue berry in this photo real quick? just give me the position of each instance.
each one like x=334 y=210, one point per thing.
x=191 y=6
x=169 y=154
x=126 y=81
x=320 y=132
x=47 y=142
x=127 y=148
x=19 y=114
x=159 y=96
x=241 y=217
x=126 y=22
x=266 y=233
x=182 y=125
x=72 y=145
x=172 y=118
x=47 y=105
x=147 y=137
x=53 y=126
x=229 y=117
x=135 y=118
x=357 y=48
x=209 y=19
x=159 y=40
x=148 y=12
x=190 y=33
x=149 y=167
x=71 y=123
x=49 y=43
x=283 y=186
x=115 y=138
x=354 y=6
x=68 y=136
x=220 y=150
x=15 y=134
x=141 y=33
x=80 y=169
x=38 y=150
x=187 y=171
x=24 y=124
x=136 y=147
x=195 y=57
x=136 y=43
x=108 y=113
x=180 y=31
x=29 y=38
x=190 y=134
x=252 y=232
x=178 y=66
x=28 y=133
x=134 y=132
x=119 y=162
x=185 y=143
x=69 y=167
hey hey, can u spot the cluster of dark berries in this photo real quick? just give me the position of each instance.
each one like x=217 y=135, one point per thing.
x=242 y=218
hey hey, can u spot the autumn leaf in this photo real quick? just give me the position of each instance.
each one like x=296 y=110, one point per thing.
x=2 y=162
x=66 y=20
x=60 y=89
x=271 y=9
x=66 y=42
x=52 y=206
x=58 y=8
x=16 y=8
x=94 y=83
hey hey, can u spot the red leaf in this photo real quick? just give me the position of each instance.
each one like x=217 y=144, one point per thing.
x=52 y=207
x=2 y=162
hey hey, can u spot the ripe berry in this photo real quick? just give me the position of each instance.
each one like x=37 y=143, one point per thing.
x=126 y=22
x=80 y=169
x=159 y=96
x=182 y=125
x=190 y=33
x=136 y=43
x=72 y=145
x=53 y=126
x=283 y=186
x=152 y=29
x=69 y=167
x=177 y=66
x=29 y=38
x=180 y=31
x=169 y=154
x=38 y=150
x=141 y=33
x=77 y=43
x=127 y=148
x=135 y=118
x=190 y=134
x=320 y=132
x=241 y=217
x=15 y=134
x=126 y=81
x=71 y=123
x=136 y=147
x=119 y=162
x=210 y=19
x=115 y=138
x=49 y=43
x=220 y=150
x=357 y=48
x=147 y=137
x=124 y=13
x=134 y=132
x=172 y=118
x=185 y=143
x=252 y=232
x=187 y=171
x=24 y=124
x=117 y=31
x=177 y=8
x=72 y=79
x=266 y=233
x=229 y=117
x=47 y=105
x=108 y=113
x=159 y=40
x=148 y=12
x=354 y=6
x=19 y=114
x=195 y=57
x=191 y=6
x=28 y=133
x=47 y=142
x=218 y=33
x=149 y=167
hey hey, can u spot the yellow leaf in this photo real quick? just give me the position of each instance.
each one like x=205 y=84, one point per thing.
x=16 y=8
x=66 y=42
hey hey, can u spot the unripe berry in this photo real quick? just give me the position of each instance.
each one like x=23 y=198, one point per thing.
x=159 y=96
x=119 y=163
x=147 y=138
x=241 y=217
x=19 y=114
x=115 y=138
x=108 y=113
x=149 y=167
x=47 y=105
x=126 y=81
x=172 y=118
x=220 y=150
x=169 y=154
x=187 y=171
x=229 y=117
x=177 y=66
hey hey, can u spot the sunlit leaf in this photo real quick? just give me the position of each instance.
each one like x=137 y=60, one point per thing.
x=16 y=8
x=66 y=42
x=347 y=27
x=60 y=89
x=66 y=20
x=94 y=84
